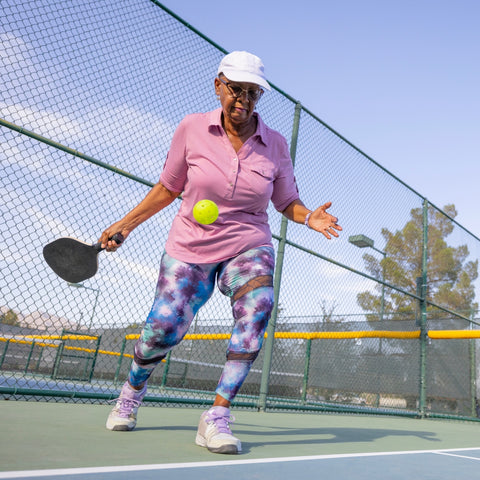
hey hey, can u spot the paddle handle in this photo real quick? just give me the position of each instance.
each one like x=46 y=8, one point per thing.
x=117 y=238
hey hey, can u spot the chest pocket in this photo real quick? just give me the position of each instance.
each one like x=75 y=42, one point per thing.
x=260 y=179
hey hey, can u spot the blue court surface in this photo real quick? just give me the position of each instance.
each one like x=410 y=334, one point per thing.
x=435 y=465
x=69 y=441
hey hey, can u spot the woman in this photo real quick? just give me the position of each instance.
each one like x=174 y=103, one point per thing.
x=231 y=157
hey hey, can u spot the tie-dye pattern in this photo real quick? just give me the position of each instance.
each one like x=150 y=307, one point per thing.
x=251 y=313
x=182 y=289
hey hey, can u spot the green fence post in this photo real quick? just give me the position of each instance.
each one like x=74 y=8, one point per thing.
x=39 y=359
x=4 y=354
x=94 y=360
x=306 y=370
x=58 y=357
x=423 y=314
x=473 y=370
x=30 y=353
x=267 y=358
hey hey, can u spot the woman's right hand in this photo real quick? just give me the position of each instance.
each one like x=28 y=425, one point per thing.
x=106 y=238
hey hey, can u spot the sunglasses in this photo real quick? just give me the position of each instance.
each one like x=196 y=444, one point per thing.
x=253 y=94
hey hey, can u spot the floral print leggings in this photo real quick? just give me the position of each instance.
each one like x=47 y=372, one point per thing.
x=183 y=288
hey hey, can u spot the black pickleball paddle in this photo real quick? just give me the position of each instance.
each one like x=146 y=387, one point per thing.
x=74 y=260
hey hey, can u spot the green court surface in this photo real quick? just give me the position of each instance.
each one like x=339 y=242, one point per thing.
x=40 y=436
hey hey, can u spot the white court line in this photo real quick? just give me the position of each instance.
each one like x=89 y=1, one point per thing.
x=167 y=466
x=459 y=456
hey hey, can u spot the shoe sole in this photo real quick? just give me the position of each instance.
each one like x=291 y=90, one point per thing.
x=121 y=428
x=225 y=449
x=229 y=449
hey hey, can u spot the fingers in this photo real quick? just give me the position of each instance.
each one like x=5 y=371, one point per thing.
x=111 y=245
x=330 y=231
x=327 y=224
x=107 y=239
x=337 y=227
x=103 y=240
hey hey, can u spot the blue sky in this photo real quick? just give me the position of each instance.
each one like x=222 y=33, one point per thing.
x=400 y=80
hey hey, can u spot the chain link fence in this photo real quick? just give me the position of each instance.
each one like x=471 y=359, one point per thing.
x=91 y=93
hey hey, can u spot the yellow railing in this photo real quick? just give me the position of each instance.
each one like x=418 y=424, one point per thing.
x=433 y=334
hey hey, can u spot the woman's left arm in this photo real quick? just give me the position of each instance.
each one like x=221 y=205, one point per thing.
x=318 y=219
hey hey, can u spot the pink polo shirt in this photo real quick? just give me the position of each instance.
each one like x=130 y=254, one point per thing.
x=203 y=164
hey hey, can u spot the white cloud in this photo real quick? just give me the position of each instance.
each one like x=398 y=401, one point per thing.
x=42 y=122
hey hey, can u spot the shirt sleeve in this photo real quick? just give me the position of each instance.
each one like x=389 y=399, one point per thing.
x=174 y=174
x=285 y=189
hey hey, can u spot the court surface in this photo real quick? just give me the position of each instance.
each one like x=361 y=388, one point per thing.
x=69 y=441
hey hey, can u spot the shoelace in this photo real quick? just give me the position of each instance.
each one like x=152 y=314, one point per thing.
x=126 y=406
x=222 y=423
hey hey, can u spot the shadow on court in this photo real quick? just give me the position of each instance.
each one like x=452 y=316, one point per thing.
x=317 y=436
x=297 y=437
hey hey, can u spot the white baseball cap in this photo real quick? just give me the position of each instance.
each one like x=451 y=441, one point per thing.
x=243 y=67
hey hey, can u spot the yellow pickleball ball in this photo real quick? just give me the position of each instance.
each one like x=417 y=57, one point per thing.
x=205 y=212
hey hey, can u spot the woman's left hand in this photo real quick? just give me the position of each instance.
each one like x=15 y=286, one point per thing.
x=323 y=222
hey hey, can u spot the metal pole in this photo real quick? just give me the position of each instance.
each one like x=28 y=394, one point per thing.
x=382 y=299
x=97 y=290
x=39 y=359
x=306 y=370
x=473 y=371
x=58 y=357
x=32 y=347
x=95 y=356
x=382 y=304
x=267 y=358
x=423 y=314
x=4 y=354
x=94 y=307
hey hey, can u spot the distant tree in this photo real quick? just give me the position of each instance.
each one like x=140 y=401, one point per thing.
x=328 y=312
x=134 y=326
x=450 y=275
x=9 y=318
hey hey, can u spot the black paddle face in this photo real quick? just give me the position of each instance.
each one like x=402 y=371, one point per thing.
x=73 y=260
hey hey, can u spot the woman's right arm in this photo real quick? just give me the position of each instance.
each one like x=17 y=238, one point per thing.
x=156 y=199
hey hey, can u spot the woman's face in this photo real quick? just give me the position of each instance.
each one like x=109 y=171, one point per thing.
x=238 y=99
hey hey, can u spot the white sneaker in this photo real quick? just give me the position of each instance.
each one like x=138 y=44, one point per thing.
x=214 y=431
x=123 y=416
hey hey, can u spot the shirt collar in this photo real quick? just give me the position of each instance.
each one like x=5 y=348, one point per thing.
x=215 y=120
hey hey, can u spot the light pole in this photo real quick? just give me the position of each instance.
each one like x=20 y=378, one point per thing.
x=81 y=285
x=362 y=241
